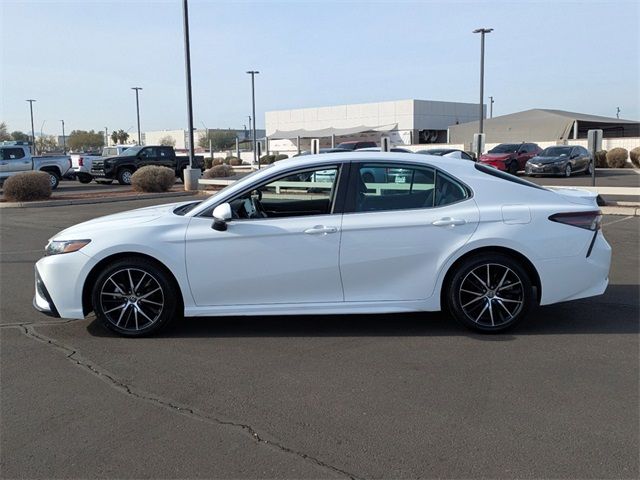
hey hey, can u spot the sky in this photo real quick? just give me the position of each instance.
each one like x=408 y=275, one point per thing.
x=79 y=59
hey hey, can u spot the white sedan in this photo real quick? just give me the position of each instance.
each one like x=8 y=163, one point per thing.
x=429 y=234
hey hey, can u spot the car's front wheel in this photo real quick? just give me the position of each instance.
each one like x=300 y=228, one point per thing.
x=489 y=293
x=134 y=297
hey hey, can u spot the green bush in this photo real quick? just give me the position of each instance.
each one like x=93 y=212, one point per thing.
x=153 y=178
x=617 y=157
x=601 y=159
x=27 y=186
x=267 y=159
x=217 y=161
x=280 y=156
x=208 y=163
x=219 y=171
x=634 y=154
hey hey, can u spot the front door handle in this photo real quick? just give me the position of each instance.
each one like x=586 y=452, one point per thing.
x=320 y=230
x=449 y=222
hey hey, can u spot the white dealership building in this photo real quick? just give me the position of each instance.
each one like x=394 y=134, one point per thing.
x=404 y=121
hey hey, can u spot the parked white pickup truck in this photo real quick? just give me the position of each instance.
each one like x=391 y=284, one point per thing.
x=82 y=162
x=15 y=157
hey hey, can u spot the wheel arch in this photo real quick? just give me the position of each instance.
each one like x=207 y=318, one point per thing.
x=97 y=268
x=522 y=259
x=51 y=169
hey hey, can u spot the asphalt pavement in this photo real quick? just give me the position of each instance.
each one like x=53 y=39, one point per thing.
x=366 y=396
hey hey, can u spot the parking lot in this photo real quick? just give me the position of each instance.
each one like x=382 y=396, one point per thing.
x=367 y=396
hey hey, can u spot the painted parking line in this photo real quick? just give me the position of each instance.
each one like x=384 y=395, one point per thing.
x=617 y=220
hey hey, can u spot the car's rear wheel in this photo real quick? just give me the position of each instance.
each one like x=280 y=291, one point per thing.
x=134 y=297
x=84 y=178
x=124 y=176
x=589 y=170
x=489 y=293
x=54 y=180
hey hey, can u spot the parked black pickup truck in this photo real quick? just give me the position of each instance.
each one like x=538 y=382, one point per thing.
x=122 y=167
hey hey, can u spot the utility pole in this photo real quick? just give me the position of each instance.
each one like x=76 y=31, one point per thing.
x=190 y=174
x=64 y=140
x=33 y=131
x=617 y=112
x=106 y=137
x=482 y=32
x=253 y=73
x=491 y=108
x=137 y=89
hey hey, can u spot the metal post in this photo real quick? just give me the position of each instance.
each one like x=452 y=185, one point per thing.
x=138 y=113
x=187 y=68
x=33 y=131
x=617 y=112
x=266 y=145
x=298 y=144
x=482 y=32
x=64 y=140
x=256 y=157
x=333 y=140
x=238 y=147
x=491 y=108
x=106 y=136
x=211 y=149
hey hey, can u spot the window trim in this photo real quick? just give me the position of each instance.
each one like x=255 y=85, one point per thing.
x=337 y=200
x=350 y=203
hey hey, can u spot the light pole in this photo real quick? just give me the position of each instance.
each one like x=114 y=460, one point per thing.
x=253 y=74
x=482 y=32
x=64 y=140
x=617 y=112
x=190 y=175
x=138 y=113
x=106 y=137
x=491 y=108
x=33 y=131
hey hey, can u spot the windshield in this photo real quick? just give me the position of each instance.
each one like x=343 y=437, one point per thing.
x=505 y=148
x=131 y=152
x=434 y=152
x=555 y=151
x=347 y=145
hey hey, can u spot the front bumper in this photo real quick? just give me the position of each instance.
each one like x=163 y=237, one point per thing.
x=550 y=169
x=42 y=300
x=499 y=164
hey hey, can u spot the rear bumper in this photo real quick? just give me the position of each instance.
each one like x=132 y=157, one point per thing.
x=578 y=276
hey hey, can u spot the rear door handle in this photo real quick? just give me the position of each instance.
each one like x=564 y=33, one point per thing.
x=320 y=230
x=449 y=222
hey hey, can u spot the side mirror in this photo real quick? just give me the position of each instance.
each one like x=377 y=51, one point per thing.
x=221 y=214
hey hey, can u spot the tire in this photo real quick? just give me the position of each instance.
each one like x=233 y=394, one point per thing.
x=494 y=309
x=567 y=170
x=104 y=182
x=513 y=167
x=143 y=301
x=54 y=180
x=124 y=176
x=84 y=178
x=589 y=170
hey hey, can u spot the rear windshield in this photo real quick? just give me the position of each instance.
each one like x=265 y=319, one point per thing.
x=506 y=176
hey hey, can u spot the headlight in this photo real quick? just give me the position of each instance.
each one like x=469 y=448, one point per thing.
x=65 y=246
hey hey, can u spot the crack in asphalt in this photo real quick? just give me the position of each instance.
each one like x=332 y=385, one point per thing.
x=72 y=355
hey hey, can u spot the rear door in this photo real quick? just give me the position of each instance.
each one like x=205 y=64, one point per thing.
x=14 y=160
x=166 y=157
x=396 y=233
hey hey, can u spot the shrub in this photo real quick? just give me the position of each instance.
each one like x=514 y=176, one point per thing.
x=635 y=157
x=219 y=171
x=233 y=161
x=217 y=161
x=27 y=186
x=601 y=159
x=280 y=156
x=153 y=178
x=208 y=163
x=617 y=157
x=267 y=159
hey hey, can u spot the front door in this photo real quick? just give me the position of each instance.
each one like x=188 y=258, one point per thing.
x=282 y=245
x=13 y=161
x=401 y=230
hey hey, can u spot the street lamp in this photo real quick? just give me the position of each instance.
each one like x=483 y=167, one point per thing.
x=190 y=175
x=253 y=74
x=138 y=112
x=33 y=131
x=482 y=32
x=64 y=140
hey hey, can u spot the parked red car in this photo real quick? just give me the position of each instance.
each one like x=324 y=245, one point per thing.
x=510 y=157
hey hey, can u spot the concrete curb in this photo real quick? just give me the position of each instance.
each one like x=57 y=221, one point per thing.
x=88 y=201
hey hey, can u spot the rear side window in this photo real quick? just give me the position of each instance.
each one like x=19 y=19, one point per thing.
x=12 y=153
x=505 y=176
x=448 y=191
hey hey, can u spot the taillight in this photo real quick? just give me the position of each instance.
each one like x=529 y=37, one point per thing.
x=587 y=220
x=81 y=162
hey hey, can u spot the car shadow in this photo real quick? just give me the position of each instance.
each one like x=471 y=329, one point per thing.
x=616 y=312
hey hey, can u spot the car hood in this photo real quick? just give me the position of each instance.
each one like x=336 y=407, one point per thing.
x=545 y=160
x=117 y=221
x=488 y=157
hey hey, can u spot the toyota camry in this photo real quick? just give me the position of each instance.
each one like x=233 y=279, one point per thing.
x=315 y=235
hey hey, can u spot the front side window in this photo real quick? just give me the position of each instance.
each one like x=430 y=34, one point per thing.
x=309 y=192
